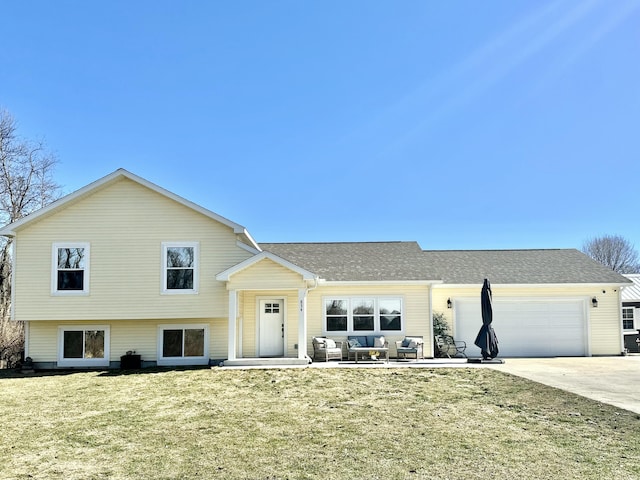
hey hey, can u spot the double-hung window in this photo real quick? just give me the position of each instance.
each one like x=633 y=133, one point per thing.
x=363 y=314
x=628 y=318
x=70 y=269
x=83 y=346
x=183 y=344
x=180 y=267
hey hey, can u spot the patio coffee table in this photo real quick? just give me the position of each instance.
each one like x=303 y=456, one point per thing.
x=366 y=350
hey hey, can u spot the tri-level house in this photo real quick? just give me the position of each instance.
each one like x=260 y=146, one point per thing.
x=124 y=265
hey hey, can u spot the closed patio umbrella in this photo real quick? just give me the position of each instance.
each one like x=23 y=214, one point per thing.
x=486 y=339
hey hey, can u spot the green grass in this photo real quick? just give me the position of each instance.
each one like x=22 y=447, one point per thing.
x=307 y=424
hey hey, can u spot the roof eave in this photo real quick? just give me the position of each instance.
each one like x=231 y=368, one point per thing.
x=226 y=275
x=534 y=285
x=377 y=282
x=9 y=230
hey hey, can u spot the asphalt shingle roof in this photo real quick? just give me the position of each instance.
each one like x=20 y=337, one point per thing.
x=355 y=261
x=397 y=261
x=520 y=267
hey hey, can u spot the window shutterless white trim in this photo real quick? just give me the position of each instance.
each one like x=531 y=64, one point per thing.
x=350 y=314
x=83 y=362
x=196 y=270
x=54 y=268
x=628 y=314
x=182 y=360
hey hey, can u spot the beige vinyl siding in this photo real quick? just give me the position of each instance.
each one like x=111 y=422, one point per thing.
x=219 y=339
x=126 y=258
x=266 y=274
x=416 y=318
x=140 y=336
x=605 y=326
x=43 y=341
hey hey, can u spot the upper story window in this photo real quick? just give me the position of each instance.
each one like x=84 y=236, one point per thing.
x=627 y=318
x=180 y=267
x=363 y=314
x=70 y=270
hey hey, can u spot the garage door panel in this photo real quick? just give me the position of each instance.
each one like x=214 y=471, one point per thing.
x=527 y=328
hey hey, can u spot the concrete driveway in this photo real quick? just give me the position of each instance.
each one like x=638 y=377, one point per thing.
x=612 y=380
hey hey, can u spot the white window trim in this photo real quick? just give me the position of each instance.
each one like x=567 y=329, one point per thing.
x=84 y=362
x=177 y=361
x=633 y=310
x=54 y=269
x=196 y=268
x=376 y=315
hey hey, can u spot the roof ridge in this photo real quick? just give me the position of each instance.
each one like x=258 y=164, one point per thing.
x=504 y=250
x=341 y=243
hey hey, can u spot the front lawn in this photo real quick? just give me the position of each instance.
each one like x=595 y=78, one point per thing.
x=309 y=423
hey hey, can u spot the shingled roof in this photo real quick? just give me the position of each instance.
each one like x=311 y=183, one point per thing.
x=548 y=266
x=356 y=261
x=406 y=261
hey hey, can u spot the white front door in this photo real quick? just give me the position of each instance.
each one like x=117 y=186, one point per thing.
x=271 y=328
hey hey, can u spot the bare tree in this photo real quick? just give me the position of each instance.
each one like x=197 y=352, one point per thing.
x=613 y=251
x=26 y=184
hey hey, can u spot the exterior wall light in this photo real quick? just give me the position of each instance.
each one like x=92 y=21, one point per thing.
x=448 y=303
x=594 y=302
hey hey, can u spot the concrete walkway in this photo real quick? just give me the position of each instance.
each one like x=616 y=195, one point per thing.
x=612 y=380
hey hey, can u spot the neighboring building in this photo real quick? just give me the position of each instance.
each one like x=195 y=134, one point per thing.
x=630 y=313
x=124 y=265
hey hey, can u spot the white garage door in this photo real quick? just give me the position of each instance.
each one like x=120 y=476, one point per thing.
x=526 y=328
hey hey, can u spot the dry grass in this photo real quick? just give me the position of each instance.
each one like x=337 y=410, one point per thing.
x=307 y=424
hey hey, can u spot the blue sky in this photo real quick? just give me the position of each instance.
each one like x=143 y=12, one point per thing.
x=461 y=124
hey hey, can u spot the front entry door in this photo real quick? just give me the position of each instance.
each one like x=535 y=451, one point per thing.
x=272 y=328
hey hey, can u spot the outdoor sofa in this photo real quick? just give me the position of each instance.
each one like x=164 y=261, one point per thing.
x=363 y=344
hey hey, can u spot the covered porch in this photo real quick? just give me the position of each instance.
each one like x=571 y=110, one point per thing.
x=267 y=312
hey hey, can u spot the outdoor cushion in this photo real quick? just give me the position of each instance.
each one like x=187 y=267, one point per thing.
x=362 y=340
x=406 y=342
x=378 y=341
x=329 y=343
x=354 y=343
x=414 y=342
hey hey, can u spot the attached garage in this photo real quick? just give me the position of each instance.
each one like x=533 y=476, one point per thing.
x=526 y=327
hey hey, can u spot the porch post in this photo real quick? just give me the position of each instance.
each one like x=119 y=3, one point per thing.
x=302 y=323
x=233 y=308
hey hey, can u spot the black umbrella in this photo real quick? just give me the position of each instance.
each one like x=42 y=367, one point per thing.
x=486 y=339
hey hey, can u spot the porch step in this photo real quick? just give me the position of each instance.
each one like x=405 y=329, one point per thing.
x=264 y=362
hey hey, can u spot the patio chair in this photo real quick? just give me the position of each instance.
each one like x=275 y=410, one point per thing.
x=413 y=345
x=449 y=347
x=325 y=349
